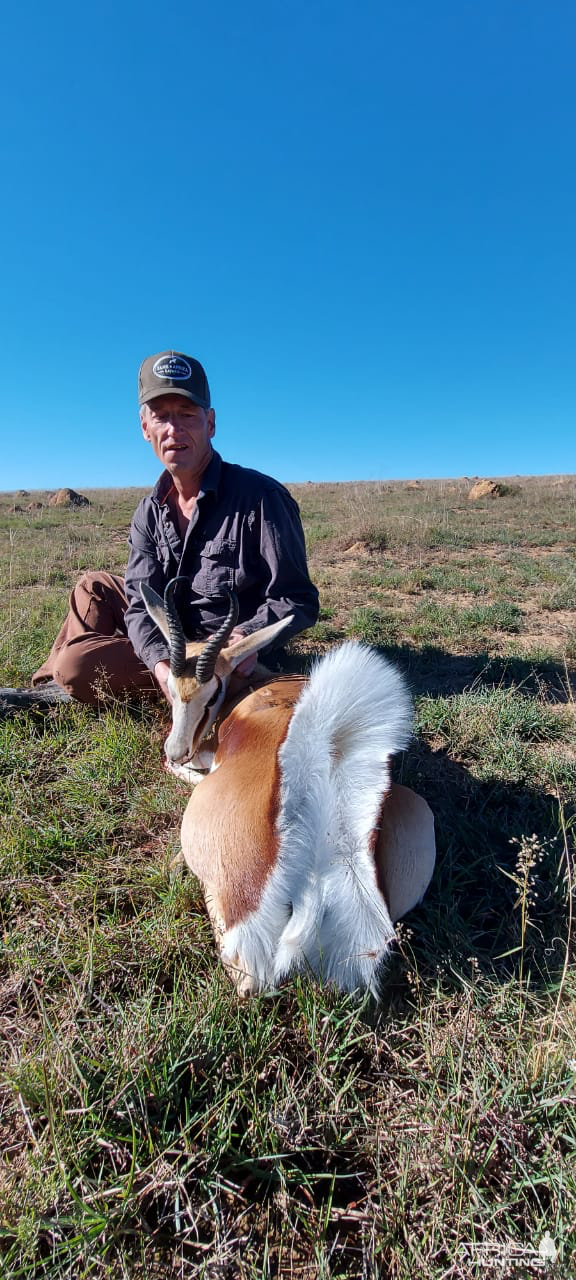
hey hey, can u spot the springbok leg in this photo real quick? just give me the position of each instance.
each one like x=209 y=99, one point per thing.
x=405 y=850
x=244 y=983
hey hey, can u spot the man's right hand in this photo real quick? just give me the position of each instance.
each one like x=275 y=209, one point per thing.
x=161 y=673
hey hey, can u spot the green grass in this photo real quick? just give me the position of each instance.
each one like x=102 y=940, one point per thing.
x=504 y=733
x=152 y=1126
x=373 y=626
x=433 y=622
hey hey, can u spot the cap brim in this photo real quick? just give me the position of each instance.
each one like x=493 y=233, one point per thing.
x=174 y=391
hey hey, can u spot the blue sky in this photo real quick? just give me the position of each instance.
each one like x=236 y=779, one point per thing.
x=361 y=218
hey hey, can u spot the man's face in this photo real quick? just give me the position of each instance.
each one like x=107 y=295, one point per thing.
x=180 y=433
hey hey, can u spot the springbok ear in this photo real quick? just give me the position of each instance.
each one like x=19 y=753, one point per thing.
x=241 y=649
x=155 y=606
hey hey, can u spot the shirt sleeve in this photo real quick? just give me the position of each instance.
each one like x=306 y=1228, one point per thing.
x=144 y=566
x=286 y=587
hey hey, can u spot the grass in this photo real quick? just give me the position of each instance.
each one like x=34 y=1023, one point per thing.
x=151 y=1125
x=504 y=733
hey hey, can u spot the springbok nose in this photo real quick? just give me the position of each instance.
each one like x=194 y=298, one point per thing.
x=174 y=750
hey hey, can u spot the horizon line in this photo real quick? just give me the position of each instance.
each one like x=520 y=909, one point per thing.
x=20 y=491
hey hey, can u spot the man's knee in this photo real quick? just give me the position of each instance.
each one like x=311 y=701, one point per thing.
x=98 y=603
x=89 y=579
x=99 y=583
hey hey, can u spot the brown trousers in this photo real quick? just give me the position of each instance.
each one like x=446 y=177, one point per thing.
x=92 y=654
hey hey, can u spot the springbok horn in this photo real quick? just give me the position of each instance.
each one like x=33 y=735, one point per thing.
x=207 y=660
x=177 y=637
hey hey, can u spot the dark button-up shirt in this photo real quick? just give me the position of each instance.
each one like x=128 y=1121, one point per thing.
x=245 y=535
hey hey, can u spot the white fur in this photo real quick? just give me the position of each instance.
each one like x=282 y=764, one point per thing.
x=321 y=908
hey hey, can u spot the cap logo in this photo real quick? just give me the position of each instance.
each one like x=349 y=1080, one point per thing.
x=173 y=367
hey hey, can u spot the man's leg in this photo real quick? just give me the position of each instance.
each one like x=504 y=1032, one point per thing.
x=92 y=653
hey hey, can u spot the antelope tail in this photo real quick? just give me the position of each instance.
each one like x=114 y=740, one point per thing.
x=321 y=909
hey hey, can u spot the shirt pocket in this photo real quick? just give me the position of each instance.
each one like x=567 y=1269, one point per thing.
x=217 y=569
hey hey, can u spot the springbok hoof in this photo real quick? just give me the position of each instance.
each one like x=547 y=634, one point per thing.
x=245 y=984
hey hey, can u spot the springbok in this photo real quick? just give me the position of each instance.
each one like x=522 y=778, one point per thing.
x=306 y=850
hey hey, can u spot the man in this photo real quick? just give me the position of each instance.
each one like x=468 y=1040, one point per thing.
x=217 y=525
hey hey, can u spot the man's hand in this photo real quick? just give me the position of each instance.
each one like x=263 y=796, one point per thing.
x=246 y=667
x=161 y=673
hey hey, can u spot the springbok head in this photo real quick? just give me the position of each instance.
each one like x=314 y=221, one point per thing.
x=200 y=669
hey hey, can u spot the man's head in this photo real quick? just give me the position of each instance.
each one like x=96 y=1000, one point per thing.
x=171 y=372
x=175 y=412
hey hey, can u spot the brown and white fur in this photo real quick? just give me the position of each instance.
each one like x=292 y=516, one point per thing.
x=306 y=850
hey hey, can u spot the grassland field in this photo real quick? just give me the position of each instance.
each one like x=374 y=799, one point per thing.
x=151 y=1125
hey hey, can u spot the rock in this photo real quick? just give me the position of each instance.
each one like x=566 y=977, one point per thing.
x=486 y=489
x=35 y=506
x=68 y=498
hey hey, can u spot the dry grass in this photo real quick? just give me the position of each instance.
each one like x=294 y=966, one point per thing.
x=153 y=1127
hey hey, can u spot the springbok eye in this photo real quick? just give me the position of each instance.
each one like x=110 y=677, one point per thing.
x=215 y=695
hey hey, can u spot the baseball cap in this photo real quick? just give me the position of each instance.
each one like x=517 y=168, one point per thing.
x=173 y=373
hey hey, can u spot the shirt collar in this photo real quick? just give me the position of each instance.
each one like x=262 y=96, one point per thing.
x=209 y=483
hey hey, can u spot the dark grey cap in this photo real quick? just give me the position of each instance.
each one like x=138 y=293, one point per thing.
x=173 y=373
